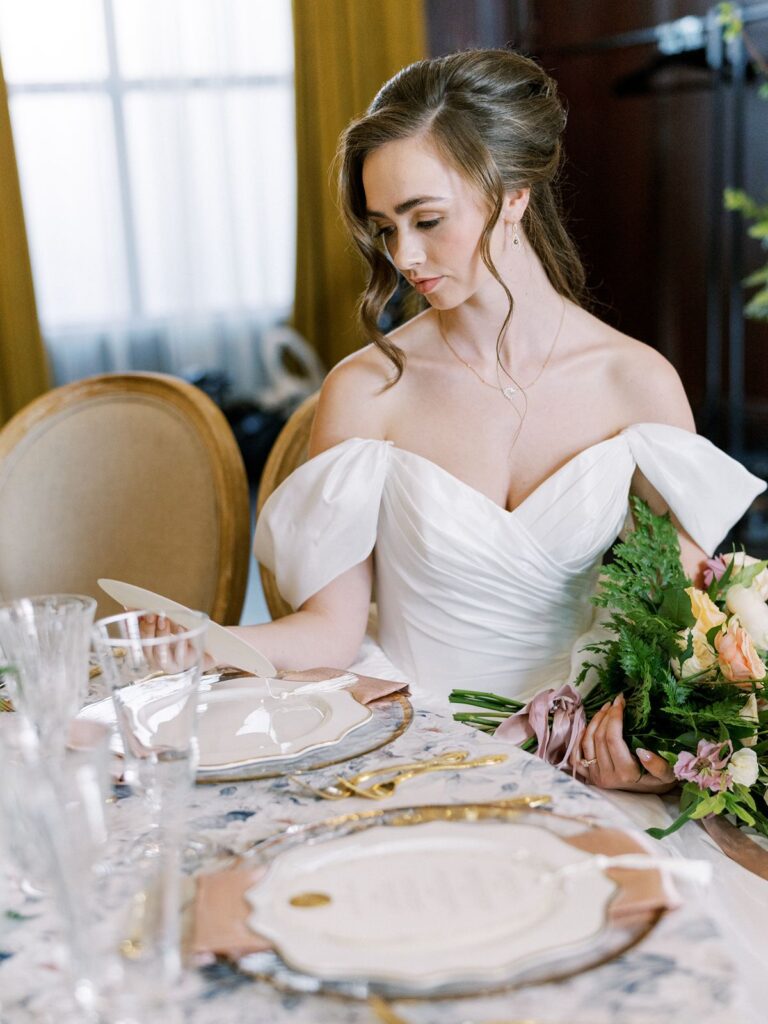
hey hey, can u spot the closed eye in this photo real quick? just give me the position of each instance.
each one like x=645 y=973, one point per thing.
x=422 y=225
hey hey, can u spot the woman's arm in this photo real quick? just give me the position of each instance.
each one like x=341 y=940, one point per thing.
x=329 y=627
x=327 y=630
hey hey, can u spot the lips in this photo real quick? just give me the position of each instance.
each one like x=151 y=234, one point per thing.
x=426 y=284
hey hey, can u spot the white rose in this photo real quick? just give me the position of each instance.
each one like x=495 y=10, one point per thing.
x=740 y=561
x=749 y=714
x=752 y=612
x=742 y=767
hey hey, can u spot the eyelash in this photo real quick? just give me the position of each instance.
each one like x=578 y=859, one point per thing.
x=424 y=225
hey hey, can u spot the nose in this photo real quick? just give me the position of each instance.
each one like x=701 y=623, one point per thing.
x=405 y=250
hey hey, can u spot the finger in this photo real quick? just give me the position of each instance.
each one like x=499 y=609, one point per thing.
x=628 y=770
x=588 y=739
x=586 y=749
x=656 y=766
x=605 y=765
x=147 y=625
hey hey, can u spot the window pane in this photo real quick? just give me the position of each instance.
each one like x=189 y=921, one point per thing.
x=66 y=154
x=196 y=215
x=263 y=170
x=182 y=38
x=52 y=40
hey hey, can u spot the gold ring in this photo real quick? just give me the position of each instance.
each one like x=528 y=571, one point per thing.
x=587 y=762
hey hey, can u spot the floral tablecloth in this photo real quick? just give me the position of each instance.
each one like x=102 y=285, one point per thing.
x=681 y=972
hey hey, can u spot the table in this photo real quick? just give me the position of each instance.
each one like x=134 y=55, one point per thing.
x=681 y=972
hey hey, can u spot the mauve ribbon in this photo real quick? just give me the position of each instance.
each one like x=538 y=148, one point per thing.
x=555 y=742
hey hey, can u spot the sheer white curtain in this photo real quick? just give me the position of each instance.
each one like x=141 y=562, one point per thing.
x=155 y=142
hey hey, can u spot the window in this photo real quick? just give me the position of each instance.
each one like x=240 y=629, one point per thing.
x=155 y=143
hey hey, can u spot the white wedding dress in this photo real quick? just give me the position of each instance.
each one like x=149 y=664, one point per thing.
x=472 y=596
x=468 y=594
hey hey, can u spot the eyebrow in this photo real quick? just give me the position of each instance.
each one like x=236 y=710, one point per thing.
x=407 y=205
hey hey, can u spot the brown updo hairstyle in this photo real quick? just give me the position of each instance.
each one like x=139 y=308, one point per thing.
x=496 y=117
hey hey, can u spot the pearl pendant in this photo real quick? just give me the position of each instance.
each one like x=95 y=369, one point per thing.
x=509 y=390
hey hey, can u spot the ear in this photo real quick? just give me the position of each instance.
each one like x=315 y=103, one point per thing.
x=515 y=205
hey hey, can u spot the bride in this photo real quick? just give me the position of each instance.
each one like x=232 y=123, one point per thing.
x=477 y=462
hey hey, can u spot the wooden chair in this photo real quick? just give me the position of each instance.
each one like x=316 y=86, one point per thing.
x=288 y=452
x=136 y=476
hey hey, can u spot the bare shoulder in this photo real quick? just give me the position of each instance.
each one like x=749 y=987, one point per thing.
x=640 y=383
x=650 y=386
x=353 y=400
x=356 y=399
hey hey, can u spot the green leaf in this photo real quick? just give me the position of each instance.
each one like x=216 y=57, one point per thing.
x=714 y=804
x=743 y=813
x=660 y=833
x=676 y=606
x=760 y=276
x=712 y=633
x=746 y=576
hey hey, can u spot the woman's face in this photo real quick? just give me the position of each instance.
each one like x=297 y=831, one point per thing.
x=430 y=219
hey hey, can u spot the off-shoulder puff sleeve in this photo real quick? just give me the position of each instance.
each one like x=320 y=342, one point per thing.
x=322 y=520
x=706 y=489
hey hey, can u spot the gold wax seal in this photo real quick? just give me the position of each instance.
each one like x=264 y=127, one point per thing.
x=310 y=899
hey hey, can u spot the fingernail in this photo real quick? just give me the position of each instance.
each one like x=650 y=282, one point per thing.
x=149 y=619
x=618 y=700
x=606 y=705
x=161 y=621
x=644 y=755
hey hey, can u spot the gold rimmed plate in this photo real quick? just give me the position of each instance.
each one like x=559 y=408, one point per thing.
x=432 y=902
x=389 y=718
x=372 y=726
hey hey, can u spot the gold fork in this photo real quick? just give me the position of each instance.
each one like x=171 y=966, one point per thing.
x=351 y=786
x=340 y=791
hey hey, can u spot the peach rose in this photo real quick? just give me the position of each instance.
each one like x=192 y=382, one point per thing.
x=736 y=654
x=705 y=611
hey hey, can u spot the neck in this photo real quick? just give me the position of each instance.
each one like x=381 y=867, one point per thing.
x=537 y=309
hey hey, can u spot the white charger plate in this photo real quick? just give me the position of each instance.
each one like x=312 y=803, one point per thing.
x=240 y=723
x=444 y=903
x=249 y=721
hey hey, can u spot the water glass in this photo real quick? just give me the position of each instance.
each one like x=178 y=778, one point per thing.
x=154 y=682
x=45 y=643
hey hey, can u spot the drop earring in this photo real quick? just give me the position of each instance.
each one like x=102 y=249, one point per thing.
x=515 y=236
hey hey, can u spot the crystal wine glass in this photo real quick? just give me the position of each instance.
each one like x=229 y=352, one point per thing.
x=45 y=644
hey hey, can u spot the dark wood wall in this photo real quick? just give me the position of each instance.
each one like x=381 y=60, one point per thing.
x=638 y=171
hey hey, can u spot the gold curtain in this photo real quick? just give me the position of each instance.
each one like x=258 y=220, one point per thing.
x=23 y=366
x=345 y=50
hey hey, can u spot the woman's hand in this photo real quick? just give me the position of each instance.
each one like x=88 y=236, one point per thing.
x=175 y=657
x=604 y=759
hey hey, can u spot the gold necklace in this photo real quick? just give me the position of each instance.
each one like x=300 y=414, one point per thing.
x=510 y=389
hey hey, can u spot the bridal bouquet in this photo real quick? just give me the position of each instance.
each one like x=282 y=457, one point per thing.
x=690 y=663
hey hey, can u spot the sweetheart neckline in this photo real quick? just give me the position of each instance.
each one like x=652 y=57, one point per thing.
x=480 y=494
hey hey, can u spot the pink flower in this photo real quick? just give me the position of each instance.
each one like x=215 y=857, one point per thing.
x=555 y=740
x=715 y=569
x=707 y=767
